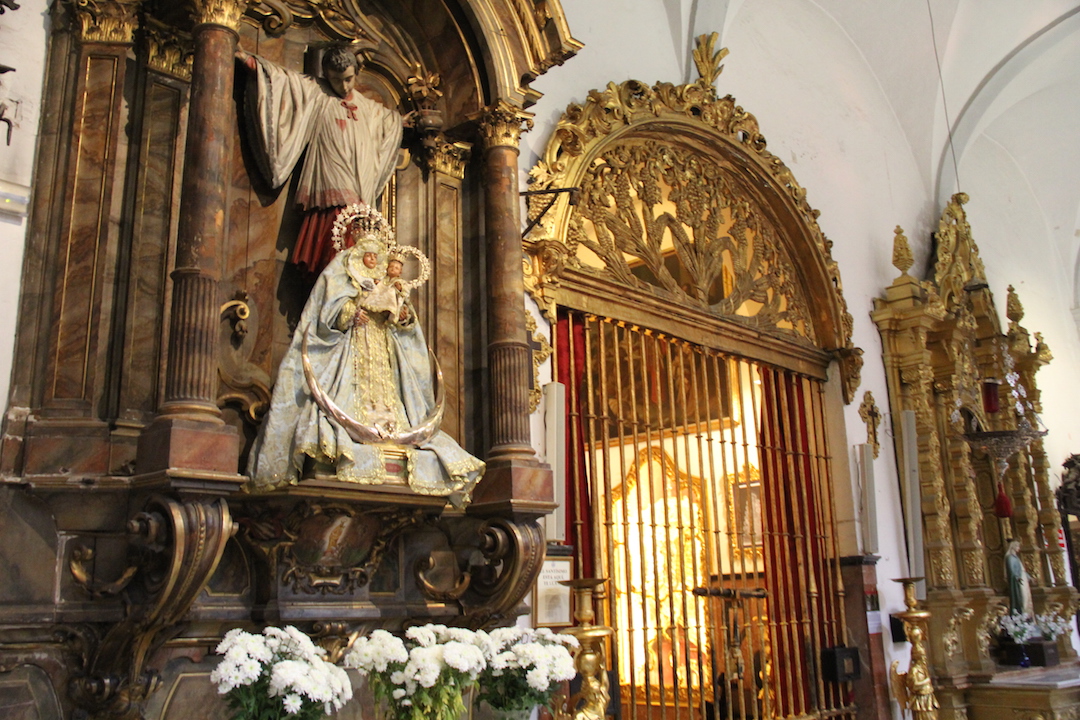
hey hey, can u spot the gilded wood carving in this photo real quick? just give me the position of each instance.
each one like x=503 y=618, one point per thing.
x=179 y=546
x=671 y=207
x=946 y=356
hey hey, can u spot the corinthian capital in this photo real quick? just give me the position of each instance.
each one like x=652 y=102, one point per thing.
x=501 y=125
x=168 y=51
x=226 y=13
x=449 y=158
x=106 y=21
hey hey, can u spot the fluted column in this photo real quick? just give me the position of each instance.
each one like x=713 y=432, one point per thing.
x=508 y=351
x=189 y=432
x=515 y=480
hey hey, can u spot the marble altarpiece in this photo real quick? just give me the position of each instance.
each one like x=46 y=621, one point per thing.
x=157 y=304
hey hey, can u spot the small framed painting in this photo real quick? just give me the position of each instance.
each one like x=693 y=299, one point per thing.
x=551 y=601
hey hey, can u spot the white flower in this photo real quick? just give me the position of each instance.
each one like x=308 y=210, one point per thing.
x=1019 y=627
x=291 y=703
x=464 y=658
x=424 y=635
x=1052 y=626
x=375 y=652
x=507 y=635
x=295 y=667
x=425 y=665
x=432 y=663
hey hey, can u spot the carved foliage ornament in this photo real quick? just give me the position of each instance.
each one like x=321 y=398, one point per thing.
x=106 y=21
x=663 y=216
x=958 y=263
x=449 y=158
x=501 y=125
x=871 y=416
x=338 y=19
x=662 y=210
x=541 y=350
x=168 y=50
x=327 y=549
x=226 y=13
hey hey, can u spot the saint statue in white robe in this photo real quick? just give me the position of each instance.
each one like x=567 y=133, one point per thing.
x=351 y=143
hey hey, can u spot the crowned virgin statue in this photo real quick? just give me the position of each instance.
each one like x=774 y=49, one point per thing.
x=356 y=385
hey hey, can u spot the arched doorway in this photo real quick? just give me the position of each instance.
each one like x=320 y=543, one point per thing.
x=697 y=312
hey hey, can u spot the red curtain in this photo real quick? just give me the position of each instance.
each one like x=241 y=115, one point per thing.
x=797 y=571
x=570 y=360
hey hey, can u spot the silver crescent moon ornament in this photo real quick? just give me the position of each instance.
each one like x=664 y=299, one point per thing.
x=370 y=434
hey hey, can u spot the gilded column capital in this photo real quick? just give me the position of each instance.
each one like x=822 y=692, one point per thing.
x=226 y=13
x=106 y=21
x=500 y=125
x=449 y=158
x=168 y=51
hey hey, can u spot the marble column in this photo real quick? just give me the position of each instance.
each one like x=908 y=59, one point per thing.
x=514 y=480
x=189 y=432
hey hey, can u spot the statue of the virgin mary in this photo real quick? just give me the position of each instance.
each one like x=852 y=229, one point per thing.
x=356 y=382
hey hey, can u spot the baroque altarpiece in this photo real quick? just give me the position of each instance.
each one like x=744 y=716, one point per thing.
x=965 y=406
x=157 y=303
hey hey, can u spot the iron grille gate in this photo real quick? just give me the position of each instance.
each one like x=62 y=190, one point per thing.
x=700 y=487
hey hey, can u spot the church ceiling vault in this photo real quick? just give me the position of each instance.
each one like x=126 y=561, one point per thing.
x=678 y=203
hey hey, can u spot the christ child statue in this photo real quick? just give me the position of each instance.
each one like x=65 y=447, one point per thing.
x=390 y=292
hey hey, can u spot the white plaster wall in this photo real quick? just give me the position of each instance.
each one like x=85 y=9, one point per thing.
x=23 y=37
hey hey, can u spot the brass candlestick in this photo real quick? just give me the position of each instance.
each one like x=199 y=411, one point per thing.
x=914 y=689
x=591 y=702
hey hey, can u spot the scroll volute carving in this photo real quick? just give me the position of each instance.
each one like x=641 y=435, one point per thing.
x=670 y=206
x=243 y=384
x=513 y=552
x=177 y=546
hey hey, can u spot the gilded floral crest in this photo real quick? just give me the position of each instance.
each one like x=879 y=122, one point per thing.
x=676 y=199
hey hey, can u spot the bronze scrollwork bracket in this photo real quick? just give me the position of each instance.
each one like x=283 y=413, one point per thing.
x=178 y=545
x=513 y=552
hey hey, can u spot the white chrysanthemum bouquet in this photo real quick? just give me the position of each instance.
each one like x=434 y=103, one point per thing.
x=423 y=676
x=1052 y=625
x=279 y=674
x=1019 y=627
x=525 y=667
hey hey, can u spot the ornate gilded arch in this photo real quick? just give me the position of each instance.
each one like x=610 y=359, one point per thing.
x=678 y=207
